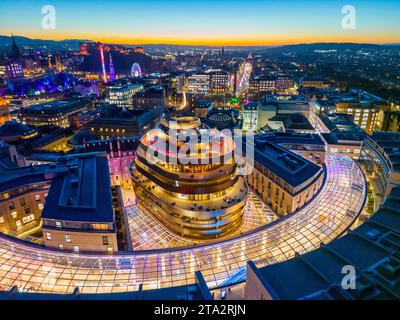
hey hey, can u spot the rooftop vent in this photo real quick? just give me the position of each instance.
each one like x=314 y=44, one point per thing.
x=70 y=202
x=74 y=183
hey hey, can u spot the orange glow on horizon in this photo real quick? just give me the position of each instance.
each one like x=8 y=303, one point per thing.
x=218 y=40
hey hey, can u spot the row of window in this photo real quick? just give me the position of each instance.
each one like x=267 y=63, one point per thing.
x=106 y=129
x=19 y=223
x=68 y=238
x=22 y=202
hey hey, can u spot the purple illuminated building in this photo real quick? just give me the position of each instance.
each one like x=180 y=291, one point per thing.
x=14 y=68
x=112 y=70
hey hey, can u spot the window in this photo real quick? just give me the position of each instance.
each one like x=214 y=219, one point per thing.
x=27 y=210
x=76 y=249
x=61 y=247
x=18 y=223
x=99 y=226
x=14 y=214
x=58 y=224
x=11 y=205
x=48 y=235
x=2 y=219
x=40 y=206
x=105 y=240
x=28 y=218
x=68 y=238
x=22 y=202
x=37 y=197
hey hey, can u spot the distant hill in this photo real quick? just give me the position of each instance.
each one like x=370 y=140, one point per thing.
x=73 y=44
x=340 y=47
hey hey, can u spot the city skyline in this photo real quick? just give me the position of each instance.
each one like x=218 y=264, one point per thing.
x=199 y=151
x=259 y=23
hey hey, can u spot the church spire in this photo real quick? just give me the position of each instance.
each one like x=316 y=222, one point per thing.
x=15 y=54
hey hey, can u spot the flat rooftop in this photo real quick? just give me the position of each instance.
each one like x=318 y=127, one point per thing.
x=293 y=138
x=293 y=121
x=289 y=166
x=54 y=107
x=19 y=176
x=284 y=98
x=82 y=193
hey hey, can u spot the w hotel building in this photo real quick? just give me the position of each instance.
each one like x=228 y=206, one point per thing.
x=193 y=188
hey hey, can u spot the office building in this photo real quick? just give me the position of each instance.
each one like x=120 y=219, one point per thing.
x=292 y=122
x=117 y=122
x=250 y=116
x=202 y=108
x=363 y=107
x=309 y=145
x=284 y=180
x=318 y=83
x=261 y=85
x=55 y=113
x=271 y=105
x=122 y=95
x=341 y=134
x=13 y=131
x=149 y=98
x=380 y=159
x=198 y=83
x=78 y=214
x=219 y=82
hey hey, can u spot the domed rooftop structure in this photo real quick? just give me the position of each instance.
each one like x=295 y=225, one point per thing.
x=220 y=121
x=81 y=138
x=13 y=131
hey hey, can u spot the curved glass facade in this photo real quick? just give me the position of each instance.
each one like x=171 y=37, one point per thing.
x=36 y=269
x=196 y=193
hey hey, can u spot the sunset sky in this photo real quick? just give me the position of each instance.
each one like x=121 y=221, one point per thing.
x=206 y=22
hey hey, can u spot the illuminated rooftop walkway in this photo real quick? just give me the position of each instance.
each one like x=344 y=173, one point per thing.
x=36 y=269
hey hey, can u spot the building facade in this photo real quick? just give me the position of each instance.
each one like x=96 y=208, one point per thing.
x=78 y=214
x=200 y=196
x=122 y=96
x=219 y=81
x=380 y=159
x=54 y=113
x=283 y=179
